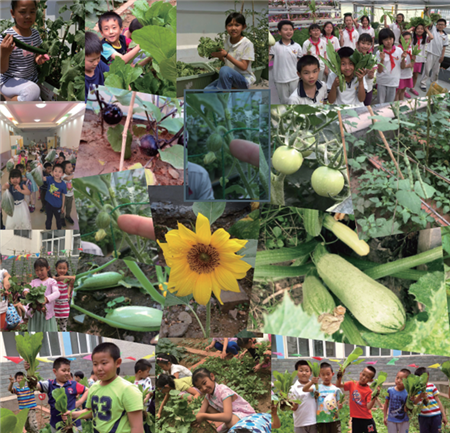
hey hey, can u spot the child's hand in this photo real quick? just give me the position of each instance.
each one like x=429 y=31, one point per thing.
x=219 y=54
x=340 y=374
x=385 y=420
x=11 y=379
x=7 y=45
x=360 y=74
x=335 y=83
x=200 y=417
x=315 y=380
x=223 y=355
x=208 y=348
x=5 y=186
x=26 y=365
x=404 y=54
x=42 y=58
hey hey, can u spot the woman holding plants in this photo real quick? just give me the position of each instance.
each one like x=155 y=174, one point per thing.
x=19 y=54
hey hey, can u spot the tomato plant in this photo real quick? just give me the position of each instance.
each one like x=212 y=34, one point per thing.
x=287 y=160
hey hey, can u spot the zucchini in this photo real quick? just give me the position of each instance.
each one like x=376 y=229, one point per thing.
x=316 y=298
x=26 y=47
x=311 y=221
x=128 y=316
x=269 y=257
x=102 y=281
x=372 y=304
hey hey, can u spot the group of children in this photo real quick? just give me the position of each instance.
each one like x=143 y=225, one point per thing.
x=320 y=413
x=56 y=309
x=56 y=193
x=301 y=77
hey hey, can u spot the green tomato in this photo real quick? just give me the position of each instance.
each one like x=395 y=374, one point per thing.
x=327 y=181
x=287 y=160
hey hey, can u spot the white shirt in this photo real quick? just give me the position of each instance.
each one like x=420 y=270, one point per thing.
x=177 y=368
x=350 y=94
x=420 y=58
x=68 y=185
x=305 y=415
x=347 y=41
x=285 y=61
x=243 y=50
x=397 y=32
x=438 y=43
x=390 y=77
x=369 y=31
x=301 y=98
x=334 y=40
x=407 y=72
x=308 y=46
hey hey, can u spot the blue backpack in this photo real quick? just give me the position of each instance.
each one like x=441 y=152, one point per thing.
x=12 y=317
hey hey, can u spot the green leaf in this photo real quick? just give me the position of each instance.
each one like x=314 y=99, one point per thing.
x=168 y=69
x=249 y=252
x=115 y=140
x=211 y=210
x=247 y=227
x=410 y=200
x=428 y=189
x=174 y=156
x=172 y=124
x=28 y=347
x=158 y=42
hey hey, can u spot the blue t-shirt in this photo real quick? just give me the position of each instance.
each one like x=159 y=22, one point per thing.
x=98 y=77
x=16 y=194
x=108 y=49
x=55 y=189
x=397 y=401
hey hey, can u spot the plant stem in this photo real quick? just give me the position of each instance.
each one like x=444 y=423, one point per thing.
x=277 y=189
x=208 y=319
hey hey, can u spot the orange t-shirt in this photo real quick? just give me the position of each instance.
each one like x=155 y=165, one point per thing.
x=359 y=397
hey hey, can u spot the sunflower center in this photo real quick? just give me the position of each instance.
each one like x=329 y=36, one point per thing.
x=203 y=259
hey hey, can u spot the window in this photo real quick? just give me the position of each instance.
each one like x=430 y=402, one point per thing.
x=350 y=347
x=50 y=344
x=56 y=241
x=297 y=346
x=82 y=343
x=307 y=348
x=410 y=353
x=23 y=233
x=374 y=351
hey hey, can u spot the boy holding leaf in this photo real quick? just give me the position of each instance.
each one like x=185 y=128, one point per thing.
x=395 y=417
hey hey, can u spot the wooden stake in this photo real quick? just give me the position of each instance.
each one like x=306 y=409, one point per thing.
x=125 y=130
x=341 y=127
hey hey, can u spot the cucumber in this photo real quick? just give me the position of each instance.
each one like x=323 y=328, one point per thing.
x=316 y=298
x=101 y=281
x=372 y=304
x=26 y=47
x=312 y=222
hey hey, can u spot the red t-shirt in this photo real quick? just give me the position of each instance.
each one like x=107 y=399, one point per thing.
x=360 y=396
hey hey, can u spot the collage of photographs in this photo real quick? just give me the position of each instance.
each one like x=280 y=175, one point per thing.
x=238 y=221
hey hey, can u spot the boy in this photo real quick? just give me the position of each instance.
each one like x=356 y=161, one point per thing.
x=310 y=90
x=327 y=416
x=26 y=400
x=349 y=36
x=364 y=45
x=79 y=375
x=285 y=53
x=304 y=413
x=114 y=403
x=249 y=345
x=317 y=47
x=361 y=401
x=55 y=196
x=395 y=417
x=433 y=414
x=92 y=379
x=435 y=52
x=43 y=189
x=113 y=43
x=94 y=67
x=61 y=370
x=67 y=179
x=355 y=89
x=141 y=372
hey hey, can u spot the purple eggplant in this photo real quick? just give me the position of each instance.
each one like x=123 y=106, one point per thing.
x=148 y=145
x=112 y=114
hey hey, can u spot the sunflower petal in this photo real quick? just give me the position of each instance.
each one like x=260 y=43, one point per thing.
x=186 y=235
x=203 y=230
x=219 y=238
x=203 y=289
x=216 y=289
x=226 y=279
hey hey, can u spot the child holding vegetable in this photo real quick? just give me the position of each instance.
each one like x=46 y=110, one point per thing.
x=250 y=345
x=21 y=219
x=67 y=179
x=285 y=54
x=221 y=404
x=224 y=345
x=349 y=36
x=395 y=417
x=65 y=287
x=364 y=46
x=170 y=365
x=328 y=35
x=238 y=54
x=34 y=188
x=19 y=75
x=55 y=196
x=421 y=37
x=316 y=46
x=94 y=67
x=406 y=73
x=396 y=28
x=365 y=29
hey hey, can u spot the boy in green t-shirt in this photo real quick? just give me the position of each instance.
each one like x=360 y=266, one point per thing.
x=114 y=403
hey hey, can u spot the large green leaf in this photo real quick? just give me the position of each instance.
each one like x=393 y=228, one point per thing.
x=174 y=156
x=115 y=140
x=410 y=200
x=28 y=347
x=173 y=125
x=211 y=210
x=159 y=42
x=168 y=69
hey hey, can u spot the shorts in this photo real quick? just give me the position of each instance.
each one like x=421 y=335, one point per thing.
x=430 y=424
x=418 y=67
x=363 y=425
x=406 y=83
x=329 y=427
x=306 y=429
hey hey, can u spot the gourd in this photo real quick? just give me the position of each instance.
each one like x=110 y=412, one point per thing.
x=311 y=221
x=129 y=316
x=214 y=142
x=316 y=298
x=103 y=220
x=26 y=47
x=102 y=281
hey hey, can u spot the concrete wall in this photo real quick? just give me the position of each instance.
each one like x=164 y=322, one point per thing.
x=70 y=133
x=5 y=146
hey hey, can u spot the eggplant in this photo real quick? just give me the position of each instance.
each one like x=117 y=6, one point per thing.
x=112 y=114
x=148 y=145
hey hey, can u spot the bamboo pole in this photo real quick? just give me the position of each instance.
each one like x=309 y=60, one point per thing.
x=341 y=127
x=125 y=130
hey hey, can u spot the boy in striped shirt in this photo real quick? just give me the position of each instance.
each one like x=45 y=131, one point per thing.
x=26 y=400
x=432 y=414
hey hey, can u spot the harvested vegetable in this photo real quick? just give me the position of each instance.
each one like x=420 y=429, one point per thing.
x=51 y=156
x=37 y=174
x=26 y=47
x=105 y=280
x=382 y=376
x=282 y=386
x=8 y=202
x=445 y=368
x=207 y=46
x=28 y=346
x=35 y=298
x=10 y=165
x=352 y=359
x=414 y=386
x=187 y=70
x=315 y=368
x=363 y=61
x=272 y=40
x=333 y=61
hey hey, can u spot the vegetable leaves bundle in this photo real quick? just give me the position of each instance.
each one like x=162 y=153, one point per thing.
x=28 y=347
x=405 y=45
x=187 y=70
x=35 y=298
x=445 y=368
x=352 y=358
x=207 y=46
x=382 y=376
x=415 y=385
x=315 y=368
x=415 y=51
x=334 y=64
x=282 y=386
x=363 y=61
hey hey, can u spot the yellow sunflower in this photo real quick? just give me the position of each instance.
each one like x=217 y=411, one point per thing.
x=201 y=263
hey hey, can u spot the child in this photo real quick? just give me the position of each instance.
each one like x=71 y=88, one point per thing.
x=4 y=282
x=67 y=178
x=114 y=403
x=305 y=412
x=356 y=87
x=19 y=75
x=285 y=53
x=113 y=43
x=327 y=417
x=310 y=90
x=238 y=55
x=62 y=307
x=142 y=59
x=94 y=67
x=433 y=414
x=249 y=345
x=406 y=72
x=435 y=52
x=21 y=219
x=397 y=27
x=141 y=372
x=316 y=46
x=79 y=375
x=92 y=379
x=225 y=345
x=361 y=401
x=23 y=159
x=61 y=158
x=34 y=187
x=395 y=417
x=55 y=196
x=44 y=187
x=420 y=40
x=61 y=370
x=364 y=46
x=221 y=404
x=365 y=28
x=349 y=36
x=388 y=76
x=328 y=35
x=165 y=383
x=26 y=400
x=170 y=364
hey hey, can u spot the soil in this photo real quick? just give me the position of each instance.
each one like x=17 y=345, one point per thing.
x=96 y=301
x=96 y=156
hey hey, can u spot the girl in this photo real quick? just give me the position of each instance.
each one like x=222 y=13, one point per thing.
x=328 y=35
x=348 y=36
x=21 y=219
x=170 y=364
x=5 y=285
x=420 y=40
x=166 y=383
x=220 y=403
x=364 y=46
x=407 y=70
x=225 y=345
x=238 y=55
x=33 y=187
x=43 y=321
x=397 y=27
x=19 y=75
x=62 y=307
x=388 y=77
x=23 y=158
x=365 y=28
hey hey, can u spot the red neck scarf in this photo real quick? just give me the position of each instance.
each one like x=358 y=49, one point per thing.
x=408 y=51
x=391 y=57
x=418 y=43
x=316 y=44
x=330 y=37
x=350 y=33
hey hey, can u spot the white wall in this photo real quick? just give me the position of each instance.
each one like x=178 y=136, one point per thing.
x=36 y=135
x=70 y=133
x=5 y=144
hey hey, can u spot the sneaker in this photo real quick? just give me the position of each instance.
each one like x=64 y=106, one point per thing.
x=42 y=209
x=63 y=223
x=407 y=95
x=71 y=221
x=32 y=209
x=414 y=92
x=424 y=89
